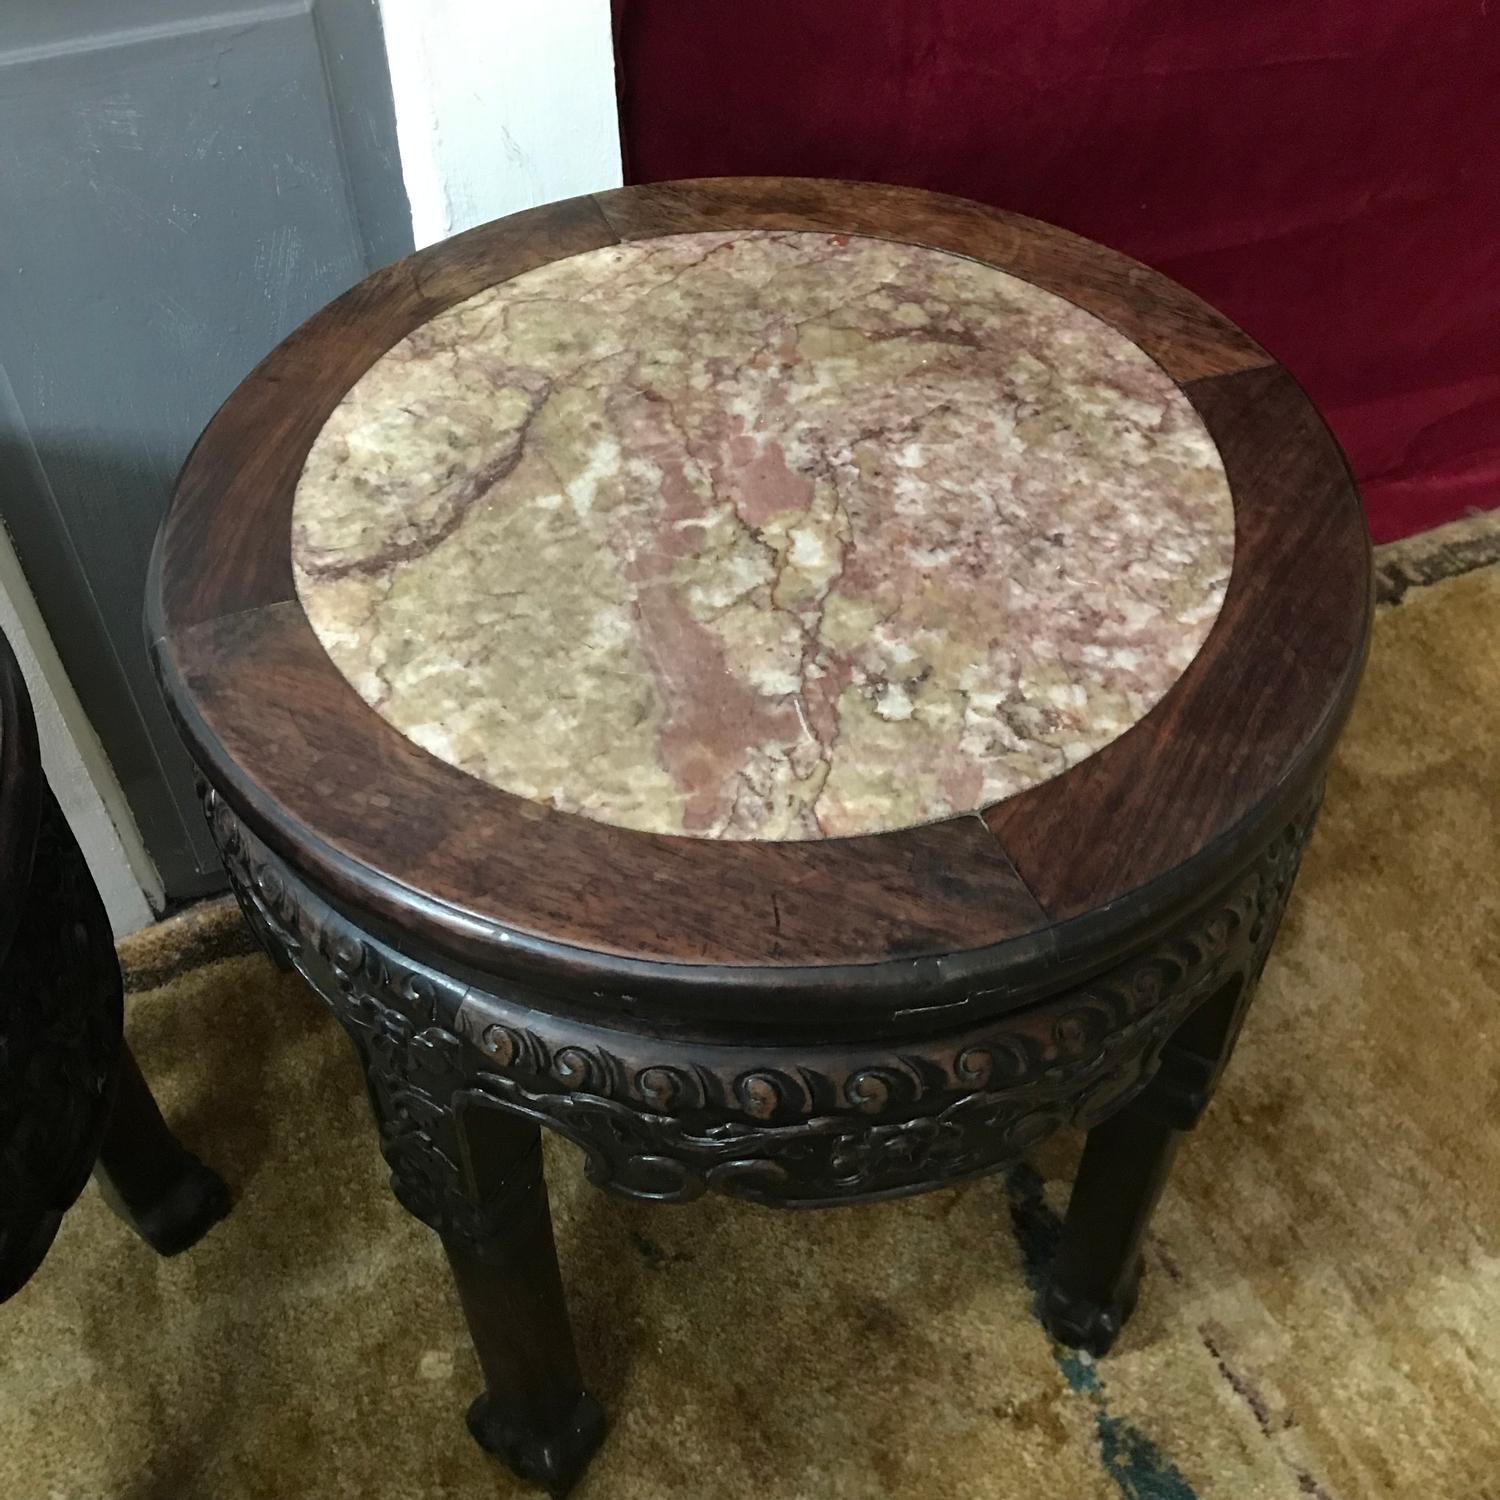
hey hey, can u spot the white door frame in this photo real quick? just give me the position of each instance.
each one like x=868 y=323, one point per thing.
x=500 y=105
x=78 y=771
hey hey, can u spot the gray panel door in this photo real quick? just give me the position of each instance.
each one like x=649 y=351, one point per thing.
x=181 y=183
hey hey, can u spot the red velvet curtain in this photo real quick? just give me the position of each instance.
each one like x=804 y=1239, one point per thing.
x=1327 y=173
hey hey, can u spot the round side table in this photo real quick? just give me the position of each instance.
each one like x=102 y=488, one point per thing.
x=801 y=687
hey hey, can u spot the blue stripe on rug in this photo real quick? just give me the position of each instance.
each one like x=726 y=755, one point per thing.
x=1140 y=1470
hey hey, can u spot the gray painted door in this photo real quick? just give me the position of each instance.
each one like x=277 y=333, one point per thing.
x=181 y=183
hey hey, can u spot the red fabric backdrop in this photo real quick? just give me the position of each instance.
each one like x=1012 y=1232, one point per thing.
x=1326 y=173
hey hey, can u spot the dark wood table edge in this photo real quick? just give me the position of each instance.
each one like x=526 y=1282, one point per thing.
x=885 y=985
x=908 y=995
x=912 y=992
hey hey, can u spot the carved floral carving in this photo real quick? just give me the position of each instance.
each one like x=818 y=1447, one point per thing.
x=668 y=1119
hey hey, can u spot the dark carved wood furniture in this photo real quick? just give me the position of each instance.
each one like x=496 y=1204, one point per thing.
x=72 y=1100
x=799 y=1022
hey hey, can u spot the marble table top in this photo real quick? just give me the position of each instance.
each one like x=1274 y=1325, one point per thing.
x=763 y=535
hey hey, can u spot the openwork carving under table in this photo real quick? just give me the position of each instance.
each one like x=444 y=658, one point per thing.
x=801 y=688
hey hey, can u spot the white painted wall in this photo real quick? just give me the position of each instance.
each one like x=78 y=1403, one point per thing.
x=500 y=105
x=77 y=769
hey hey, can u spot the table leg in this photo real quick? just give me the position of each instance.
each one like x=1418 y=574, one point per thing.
x=468 y=1169
x=474 y=1173
x=148 y=1177
x=534 y=1412
x=1126 y=1160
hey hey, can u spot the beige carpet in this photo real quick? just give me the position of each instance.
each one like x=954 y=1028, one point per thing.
x=1321 y=1316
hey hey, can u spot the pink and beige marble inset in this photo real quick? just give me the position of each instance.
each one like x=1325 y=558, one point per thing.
x=763 y=535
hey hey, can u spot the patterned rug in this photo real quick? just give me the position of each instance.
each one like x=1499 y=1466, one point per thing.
x=1321 y=1315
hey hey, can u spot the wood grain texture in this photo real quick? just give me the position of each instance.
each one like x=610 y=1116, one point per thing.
x=317 y=760
x=972 y=912
x=1186 y=336
x=1260 y=705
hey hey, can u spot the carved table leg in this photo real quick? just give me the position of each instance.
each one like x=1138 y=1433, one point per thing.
x=464 y=1166
x=534 y=1412
x=148 y=1176
x=1126 y=1161
x=473 y=1172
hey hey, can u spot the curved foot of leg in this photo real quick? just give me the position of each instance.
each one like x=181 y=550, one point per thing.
x=149 y=1177
x=184 y=1208
x=554 y=1460
x=1081 y=1322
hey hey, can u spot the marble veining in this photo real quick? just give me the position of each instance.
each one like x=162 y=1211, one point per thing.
x=763 y=535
